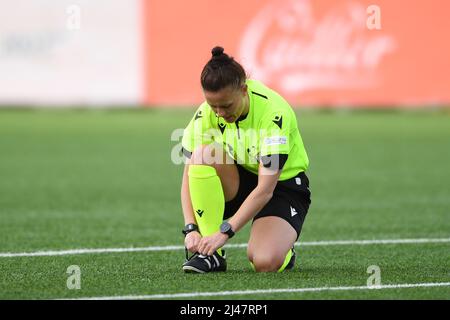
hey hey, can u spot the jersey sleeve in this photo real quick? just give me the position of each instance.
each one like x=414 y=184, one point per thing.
x=198 y=132
x=275 y=141
x=274 y=138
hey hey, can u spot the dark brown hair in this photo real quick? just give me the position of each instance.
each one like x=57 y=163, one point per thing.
x=222 y=71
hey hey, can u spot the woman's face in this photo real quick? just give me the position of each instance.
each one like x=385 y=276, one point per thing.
x=228 y=103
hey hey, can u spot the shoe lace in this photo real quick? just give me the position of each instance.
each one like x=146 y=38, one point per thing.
x=186 y=251
x=214 y=261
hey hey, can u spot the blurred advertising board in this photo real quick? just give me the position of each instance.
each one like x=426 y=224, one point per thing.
x=63 y=53
x=342 y=53
x=314 y=52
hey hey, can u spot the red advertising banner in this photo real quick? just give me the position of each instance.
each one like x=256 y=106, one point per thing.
x=314 y=52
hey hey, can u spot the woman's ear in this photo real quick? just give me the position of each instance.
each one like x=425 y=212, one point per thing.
x=244 y=89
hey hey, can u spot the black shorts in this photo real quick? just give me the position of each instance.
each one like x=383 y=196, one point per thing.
x=290 y=201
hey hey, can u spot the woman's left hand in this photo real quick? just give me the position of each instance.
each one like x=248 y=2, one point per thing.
x=208 y=245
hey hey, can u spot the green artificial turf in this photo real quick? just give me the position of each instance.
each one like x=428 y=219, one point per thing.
x=72 y=179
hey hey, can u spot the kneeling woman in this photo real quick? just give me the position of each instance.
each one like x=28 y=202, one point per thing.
x=246 y=161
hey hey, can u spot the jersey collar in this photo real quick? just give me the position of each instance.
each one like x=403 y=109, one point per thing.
x=250 y=106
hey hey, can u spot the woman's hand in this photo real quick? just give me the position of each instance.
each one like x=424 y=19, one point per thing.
x=192 y=240
x=209 y=245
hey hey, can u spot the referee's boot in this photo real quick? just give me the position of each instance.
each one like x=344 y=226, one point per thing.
x=291 y=263
x=201 y=264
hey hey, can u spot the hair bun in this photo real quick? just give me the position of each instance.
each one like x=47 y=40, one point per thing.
x=217 y=51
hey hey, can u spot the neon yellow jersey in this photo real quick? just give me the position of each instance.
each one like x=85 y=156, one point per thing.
x=269 y=129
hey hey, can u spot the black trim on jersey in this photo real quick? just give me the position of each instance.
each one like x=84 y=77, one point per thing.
x=241 y=118
x=267 y=161
x=261 y=95
x=186 y=153
x=237 y=126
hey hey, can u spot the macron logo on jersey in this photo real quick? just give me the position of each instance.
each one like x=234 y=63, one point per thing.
x=278 y=121
x=198 y=115
x=293 y=212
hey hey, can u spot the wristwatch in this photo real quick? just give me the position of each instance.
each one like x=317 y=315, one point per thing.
x=226 y=228
x=189 y=228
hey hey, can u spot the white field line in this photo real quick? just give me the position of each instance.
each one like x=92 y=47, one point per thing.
x=241 y=245
x=266 y=291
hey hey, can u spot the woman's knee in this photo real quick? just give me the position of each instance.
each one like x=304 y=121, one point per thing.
x=198 y=155
x=266 y=262
x=211 y=154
